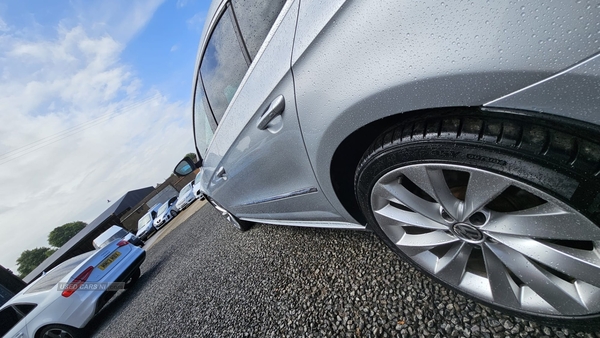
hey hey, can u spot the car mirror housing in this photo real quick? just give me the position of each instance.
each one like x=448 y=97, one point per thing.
x=186 y=166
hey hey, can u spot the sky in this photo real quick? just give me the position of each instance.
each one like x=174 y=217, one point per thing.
x=95 y=101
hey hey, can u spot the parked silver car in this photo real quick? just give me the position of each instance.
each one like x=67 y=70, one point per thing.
x=465 y=134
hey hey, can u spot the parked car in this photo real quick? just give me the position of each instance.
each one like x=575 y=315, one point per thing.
x=61 y=302
x=146 y=223
x=186 y=197
x=115 y=232
x=465 y=134
x=197 y=187
x=165 y=213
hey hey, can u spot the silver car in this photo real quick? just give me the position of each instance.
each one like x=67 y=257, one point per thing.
x=465 y=134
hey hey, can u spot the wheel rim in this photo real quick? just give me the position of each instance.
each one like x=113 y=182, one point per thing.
x=57 y=333
x=492 y=237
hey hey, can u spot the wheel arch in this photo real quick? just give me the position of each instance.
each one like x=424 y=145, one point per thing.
x=349 y=152
x=347 y=155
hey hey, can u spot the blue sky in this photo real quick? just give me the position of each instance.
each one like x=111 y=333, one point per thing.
x=95 y=99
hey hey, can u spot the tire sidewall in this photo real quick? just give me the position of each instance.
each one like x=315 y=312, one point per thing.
x=551 y=178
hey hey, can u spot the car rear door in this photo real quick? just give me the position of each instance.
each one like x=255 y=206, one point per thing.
x=256 y=166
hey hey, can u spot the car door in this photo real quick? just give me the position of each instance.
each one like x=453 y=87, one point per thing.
x=256 y=166
x=12 y=324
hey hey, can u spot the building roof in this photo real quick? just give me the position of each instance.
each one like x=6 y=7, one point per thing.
x=118 y=208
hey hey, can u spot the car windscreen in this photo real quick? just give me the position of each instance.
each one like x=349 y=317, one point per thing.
x=162 y=208
x=185 y=190
x=144 y=220
x=49 y=280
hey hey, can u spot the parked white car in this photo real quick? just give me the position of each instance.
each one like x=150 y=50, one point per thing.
x=196 y=187
x=115 y=232
x=62 y=302
x=146 y=223
x=186 y=196
x=166 y=213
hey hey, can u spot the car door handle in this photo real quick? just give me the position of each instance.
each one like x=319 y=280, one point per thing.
x=222 y=174
x=275 y=108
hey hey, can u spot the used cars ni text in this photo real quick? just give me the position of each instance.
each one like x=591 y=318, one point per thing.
x=465 y=135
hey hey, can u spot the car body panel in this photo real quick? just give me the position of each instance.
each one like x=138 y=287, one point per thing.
x=81 y=306
x=357 y=62
x=243 y=150
x=573 y=93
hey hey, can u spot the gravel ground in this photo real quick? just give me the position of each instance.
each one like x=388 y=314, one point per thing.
x=206 y=279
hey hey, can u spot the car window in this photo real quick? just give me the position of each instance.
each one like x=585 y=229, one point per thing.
x=223 y=65
x=52 y=278
x=9 y=317
x=204 y=123
x=255 y=18
x=25 y=308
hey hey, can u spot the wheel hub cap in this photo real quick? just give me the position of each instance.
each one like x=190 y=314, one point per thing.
x=467 y=232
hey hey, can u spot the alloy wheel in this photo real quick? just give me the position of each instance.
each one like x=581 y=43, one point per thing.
x=492 y=236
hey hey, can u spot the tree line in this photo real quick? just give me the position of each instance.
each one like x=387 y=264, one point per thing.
x=30 y=259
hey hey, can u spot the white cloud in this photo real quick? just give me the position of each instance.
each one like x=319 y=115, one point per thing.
x=196 y=22
x=77 y=130
x=3 y=26
x=122 y=20
x=174 y=48
x=182 y=3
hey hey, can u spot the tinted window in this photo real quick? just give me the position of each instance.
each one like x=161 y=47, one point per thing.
x=255 y=18
x=8 y=319
x=203 y=120
x=52 y=278
x=223 y=66
x=25 y=308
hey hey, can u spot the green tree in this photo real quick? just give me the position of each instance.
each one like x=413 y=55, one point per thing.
x=62 y=234
x=30 y=259
x=192 y=156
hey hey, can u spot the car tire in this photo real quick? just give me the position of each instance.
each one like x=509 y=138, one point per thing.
x=57 y=330
x=133 y=278
x=173 y=213
x=503 y=208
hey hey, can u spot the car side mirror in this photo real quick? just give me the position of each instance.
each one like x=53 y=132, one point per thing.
x=186 y=166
